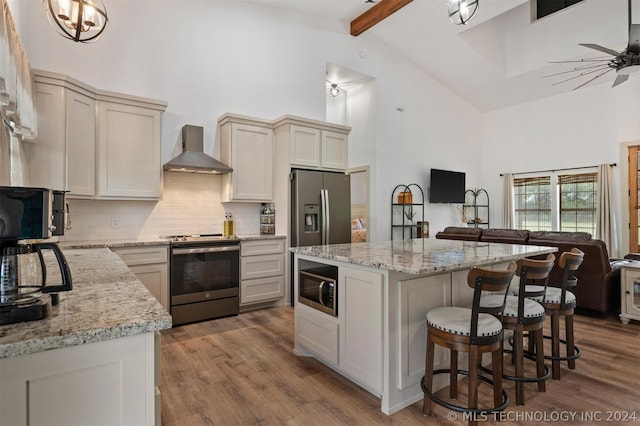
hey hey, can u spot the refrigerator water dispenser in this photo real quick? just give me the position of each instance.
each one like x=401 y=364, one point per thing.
x=311 y=212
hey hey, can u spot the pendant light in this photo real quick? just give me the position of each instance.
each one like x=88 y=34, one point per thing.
x=78 y=20
x=334 y=90
x=461 y=11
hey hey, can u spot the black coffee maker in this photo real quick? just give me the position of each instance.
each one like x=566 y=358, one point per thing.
x=26 y=217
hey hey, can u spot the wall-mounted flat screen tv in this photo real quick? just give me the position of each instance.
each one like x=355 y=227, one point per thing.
x=446 y=186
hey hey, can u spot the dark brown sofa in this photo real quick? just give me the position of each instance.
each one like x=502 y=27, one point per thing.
x=598 y=286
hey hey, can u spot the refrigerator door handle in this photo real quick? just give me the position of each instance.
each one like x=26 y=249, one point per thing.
x=324 y=212
x=327 y=220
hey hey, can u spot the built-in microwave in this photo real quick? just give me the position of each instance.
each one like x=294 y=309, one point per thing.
x=318 y=288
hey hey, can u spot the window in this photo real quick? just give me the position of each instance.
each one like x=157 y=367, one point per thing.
x=547 y=7
x=634 y=196
x=532 y=202
x=578 y=201
x=556 y=202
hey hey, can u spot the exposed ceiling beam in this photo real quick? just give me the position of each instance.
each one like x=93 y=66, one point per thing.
x=377 y=13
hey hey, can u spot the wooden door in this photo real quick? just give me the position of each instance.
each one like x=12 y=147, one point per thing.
x=634 y=188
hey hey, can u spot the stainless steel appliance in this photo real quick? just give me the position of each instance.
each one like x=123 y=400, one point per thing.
x=26 y=292
x=205 y=277
x=320 y=208
x=318 y=288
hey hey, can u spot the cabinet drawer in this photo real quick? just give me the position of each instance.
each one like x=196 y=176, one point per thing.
x=260 y=247
x=261 y=266
x=261 y=289
x=145 y=255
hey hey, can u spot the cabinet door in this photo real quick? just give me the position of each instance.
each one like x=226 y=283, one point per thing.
x=155 y=279
x=360 y=314
x=252 y=163
x=81 y=145
x=334 y=150
x=304 y=146
x=46 y=156
x=128 y=152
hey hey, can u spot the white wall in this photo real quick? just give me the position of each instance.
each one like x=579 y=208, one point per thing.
x=585 y=127
x=209 y=57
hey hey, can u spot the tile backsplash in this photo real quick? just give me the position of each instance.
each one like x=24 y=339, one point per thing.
x=190 y=205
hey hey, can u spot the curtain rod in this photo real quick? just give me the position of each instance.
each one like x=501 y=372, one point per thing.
x=559 y=170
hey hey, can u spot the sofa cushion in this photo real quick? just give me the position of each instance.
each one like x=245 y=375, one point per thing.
x=460 y=233
x=560 y=236
x=508 y=236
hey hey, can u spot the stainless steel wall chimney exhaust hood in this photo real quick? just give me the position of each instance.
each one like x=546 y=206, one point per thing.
x=192 y=159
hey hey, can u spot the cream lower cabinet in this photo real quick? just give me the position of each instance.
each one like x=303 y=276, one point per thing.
x=150 y=265
x=63 y=157
x=630 y=292
x=246 y=145
x=352 y=341
x=128 y=143
x=261 y=271
x=112 y=382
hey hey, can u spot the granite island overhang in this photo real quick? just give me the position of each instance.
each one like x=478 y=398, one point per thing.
x=384 y=291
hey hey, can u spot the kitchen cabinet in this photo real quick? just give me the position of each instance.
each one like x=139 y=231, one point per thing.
x=111 y=382
x=261 y=271
x=150 y=265
x=63 y=157
x=361 y=326
x=314 y=144
x=93 y=143
x=246 y=145
x=128 y=146
x=630 y=292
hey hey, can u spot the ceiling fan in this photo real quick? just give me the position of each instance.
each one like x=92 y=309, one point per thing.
x=624 y=63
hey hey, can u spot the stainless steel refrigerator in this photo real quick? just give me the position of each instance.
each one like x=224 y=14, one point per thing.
x=320 y=208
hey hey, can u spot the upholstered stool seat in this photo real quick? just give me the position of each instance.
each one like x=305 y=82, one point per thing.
x=524 y=314
x=476 y=331
x=456 y=320
x=554 y=295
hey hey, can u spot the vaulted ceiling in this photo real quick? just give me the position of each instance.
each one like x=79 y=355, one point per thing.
x=500 y=57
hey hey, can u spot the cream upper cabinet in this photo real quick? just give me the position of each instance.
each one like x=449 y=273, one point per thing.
x=314 y=144
x=246 y=145
x=94 y=143
x=128 y=143
x=63 y=157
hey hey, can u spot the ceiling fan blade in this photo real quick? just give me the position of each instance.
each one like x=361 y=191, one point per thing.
x=600 y=48
x=621 y=78
x=582 y=74
x=576 y=69
x=597 y=76
x=580 y=60
x=634 y=39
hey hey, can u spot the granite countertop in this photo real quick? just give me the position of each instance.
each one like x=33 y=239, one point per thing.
x=107 y=302
x=422 y=256
x=149 y=241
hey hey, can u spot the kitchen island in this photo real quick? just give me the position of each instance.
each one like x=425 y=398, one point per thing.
x=94 y=360
x=384 y=291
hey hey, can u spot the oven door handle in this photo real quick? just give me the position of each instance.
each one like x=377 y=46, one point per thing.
x=205 y=250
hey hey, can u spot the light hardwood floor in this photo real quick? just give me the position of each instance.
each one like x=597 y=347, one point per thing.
x=242 y=371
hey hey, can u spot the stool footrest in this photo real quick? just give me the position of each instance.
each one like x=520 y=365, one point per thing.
x=458 y=408
x=528 y=355
x=576 y=352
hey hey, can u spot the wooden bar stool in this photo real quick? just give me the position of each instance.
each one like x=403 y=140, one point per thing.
x=475 y=331
x=523 y=314
x=560 y=302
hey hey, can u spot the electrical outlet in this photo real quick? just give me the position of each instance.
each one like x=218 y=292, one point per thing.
x=115 y=222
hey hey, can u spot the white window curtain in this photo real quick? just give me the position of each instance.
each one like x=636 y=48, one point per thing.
x=16 y=80
x=18 y=116
x=606 y=224
x=507 y=202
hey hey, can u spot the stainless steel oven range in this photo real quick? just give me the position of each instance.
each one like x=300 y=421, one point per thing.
x=205 y=277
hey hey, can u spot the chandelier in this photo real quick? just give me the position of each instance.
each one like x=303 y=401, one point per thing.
x=78 y=20
x=461 y=11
